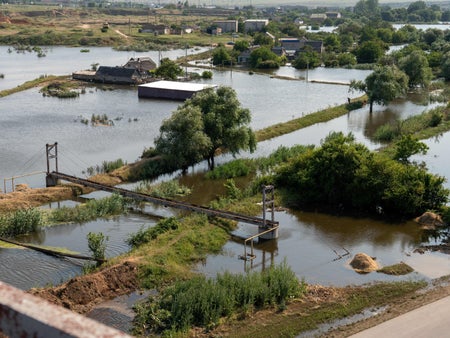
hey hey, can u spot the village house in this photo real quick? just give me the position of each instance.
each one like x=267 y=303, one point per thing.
x=255 y=25
x=135 y=71
x=142 y=64
x=294 y=46
x=333 y=15
x=117 y=75
x=227 y=26
x=318 y=17
x=155 y=29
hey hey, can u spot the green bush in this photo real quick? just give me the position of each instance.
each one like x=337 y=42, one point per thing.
x=97 y=244
x=112 y=205
x=386 y=133
x=345 y=175
x=167 y=189
x=236 y=168
x=20 y=222
x=146 y=235
x=203 y=302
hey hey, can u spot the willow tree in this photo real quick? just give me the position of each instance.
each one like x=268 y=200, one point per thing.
x=210 y=121
x=226 y=122
x=182 y=140
x=383 y=85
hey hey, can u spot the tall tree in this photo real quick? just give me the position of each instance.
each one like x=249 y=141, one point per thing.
x=168 y=69
x=383 y=85
x=182 y=139
x=225 y=121
x=415 y=65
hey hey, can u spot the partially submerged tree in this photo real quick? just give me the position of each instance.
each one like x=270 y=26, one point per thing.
x=415 y=65
x=182 y=139
x=226 y=122
x=168 y=70
x=383 y=85
x=209 y=121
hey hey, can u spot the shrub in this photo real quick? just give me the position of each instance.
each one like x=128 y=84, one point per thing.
x=386 y=133
x=20 y=222
x=167 y=189
x=345 y=175
x=207 y=74
x=146 y=235
x=113 y=205
x=97 y=244
x=236 y=168
x=203 y=302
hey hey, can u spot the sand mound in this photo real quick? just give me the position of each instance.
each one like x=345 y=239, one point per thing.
x=430 y=220
x=81 y=293
x=363 y=263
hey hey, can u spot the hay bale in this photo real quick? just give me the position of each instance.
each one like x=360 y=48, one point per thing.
x=22 y=187
x=363 y=263
x=430 y=220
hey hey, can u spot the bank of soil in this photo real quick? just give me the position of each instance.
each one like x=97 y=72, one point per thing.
x=25 y=197
x=82 y=293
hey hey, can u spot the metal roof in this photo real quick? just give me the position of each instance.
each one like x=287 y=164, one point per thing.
x=174 y=85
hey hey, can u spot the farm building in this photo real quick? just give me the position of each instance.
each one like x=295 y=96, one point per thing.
x=170 y=90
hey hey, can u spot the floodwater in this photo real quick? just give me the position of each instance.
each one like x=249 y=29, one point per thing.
x=315 y=245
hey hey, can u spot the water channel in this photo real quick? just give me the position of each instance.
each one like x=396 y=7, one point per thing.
x=312 y=243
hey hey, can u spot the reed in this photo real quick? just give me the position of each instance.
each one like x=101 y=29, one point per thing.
x=113 y=205
x=20 y=222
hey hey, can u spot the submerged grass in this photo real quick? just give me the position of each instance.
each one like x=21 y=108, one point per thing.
x=305 y=316
x=113 y=205
x=31 y=84
x=308 y=120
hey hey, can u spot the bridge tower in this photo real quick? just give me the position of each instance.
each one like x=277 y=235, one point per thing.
x=268 y=205
x=52 y=154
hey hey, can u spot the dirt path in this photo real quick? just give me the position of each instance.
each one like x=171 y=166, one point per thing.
x=121 y=34
x=440 y=290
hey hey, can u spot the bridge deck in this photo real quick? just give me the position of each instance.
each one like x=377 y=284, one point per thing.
x=167 y=202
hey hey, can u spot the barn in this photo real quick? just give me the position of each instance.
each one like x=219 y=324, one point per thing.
x=170 y=90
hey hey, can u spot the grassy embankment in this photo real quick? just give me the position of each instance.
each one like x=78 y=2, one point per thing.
x=31 y=84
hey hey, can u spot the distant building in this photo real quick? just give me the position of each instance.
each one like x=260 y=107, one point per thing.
x=117 y=75
x=155 y=29
x=298 y=21
x=214 y=30
x=244 y=57
x=170 y=90
x=255 y=25
x=294 y=46
x=227 y=26
x=142 y=64
x=333 y=15
x=318 y=17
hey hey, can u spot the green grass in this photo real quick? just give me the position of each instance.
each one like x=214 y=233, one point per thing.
x=396 y=269
x=203 y=302
x=306 y=121
x=31 y=84
x=20 y=222
x=310 y=317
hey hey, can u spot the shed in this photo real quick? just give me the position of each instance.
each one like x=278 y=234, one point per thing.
x=170 y=90
x=117 y=75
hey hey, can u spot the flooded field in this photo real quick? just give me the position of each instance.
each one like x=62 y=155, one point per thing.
x=314 y=244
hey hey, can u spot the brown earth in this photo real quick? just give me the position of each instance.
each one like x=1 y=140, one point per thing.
x=81 y=293
x=25 y=197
